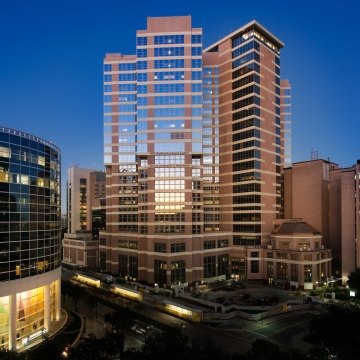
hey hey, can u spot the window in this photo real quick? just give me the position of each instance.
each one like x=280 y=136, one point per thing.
x=294 y=272
x=177 y=271
x=307 y=273
x=209 y=266
x=141 y=53
x=246 y=80
x=196 y=39
x=222 y=243
x=223 y=261
x=168 y=229
x=284 y=245
x=126 y=66
x=127 y=77
x=254 y=266
x=211 y=244
x=171 y=51
x=141 y=41
x=161 y=64
x=169 y=75
x=243 y=49
x=196 y=63
x=197 y=87
x=196 y=75
x=196 y=51
x=177 y=247
x=165 y=88
x=160 y=247
x=244 y=59
x=160 y=272
x=247 y=154
x=169 y=39
x=142 y=77
x=107 y=67
x=246 y=69
x=141 y=65
x=169 y=100
x=127 y=87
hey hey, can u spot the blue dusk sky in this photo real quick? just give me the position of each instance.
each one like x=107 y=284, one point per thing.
x=52 y=53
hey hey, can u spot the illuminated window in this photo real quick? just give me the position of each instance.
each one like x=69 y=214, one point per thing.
x=5 y=152
x=41 y=160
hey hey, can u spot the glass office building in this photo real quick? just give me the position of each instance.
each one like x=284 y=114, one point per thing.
x=30 y=237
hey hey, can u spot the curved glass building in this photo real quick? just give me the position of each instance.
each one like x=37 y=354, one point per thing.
x=30 y=237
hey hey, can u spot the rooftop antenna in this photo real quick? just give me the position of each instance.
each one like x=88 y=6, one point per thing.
x=314 y=155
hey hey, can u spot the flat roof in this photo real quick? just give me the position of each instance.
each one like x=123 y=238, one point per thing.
x=26 y=135
x=244 y=28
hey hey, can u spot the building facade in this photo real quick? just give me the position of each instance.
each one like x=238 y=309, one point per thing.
x=30 y=237
x=85 y=188
x=81 y=250
x=296 y=257
x=307 y=193
x=344 y=218
x=327 y=197
x=193 y=152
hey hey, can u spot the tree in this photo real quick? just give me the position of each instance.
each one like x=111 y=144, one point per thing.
x=338 y=326
x=264 y=350
x=354 y=279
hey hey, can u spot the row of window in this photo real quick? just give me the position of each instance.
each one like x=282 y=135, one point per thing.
x=252 y=187
x=246 y=112
x=169 y=75
x=248 y=154
x=246 y=135
x=246 y=69
x=213 y=244
x=170 y=217
x=246 y=144
x=251 y=100
x=248 y=176
x=169 y=51
x=172 y=229
x=246 y=58
x=143 y=89
x=243 y=49
x=168 y=39
x=246 y=80
x=240 y=125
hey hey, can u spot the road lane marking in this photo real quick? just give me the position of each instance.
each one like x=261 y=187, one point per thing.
x=253 y=332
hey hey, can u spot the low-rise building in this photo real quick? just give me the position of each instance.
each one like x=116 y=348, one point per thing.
x=80 y=250
x=296 y=256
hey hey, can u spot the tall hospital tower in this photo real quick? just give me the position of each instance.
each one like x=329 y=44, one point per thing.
x=195 y=142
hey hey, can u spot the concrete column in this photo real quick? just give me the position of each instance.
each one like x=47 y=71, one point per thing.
x=57 y=299
x=47 y=307
x=12 y=322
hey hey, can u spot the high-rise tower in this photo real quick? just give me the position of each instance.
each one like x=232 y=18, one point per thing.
x=192 y=151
